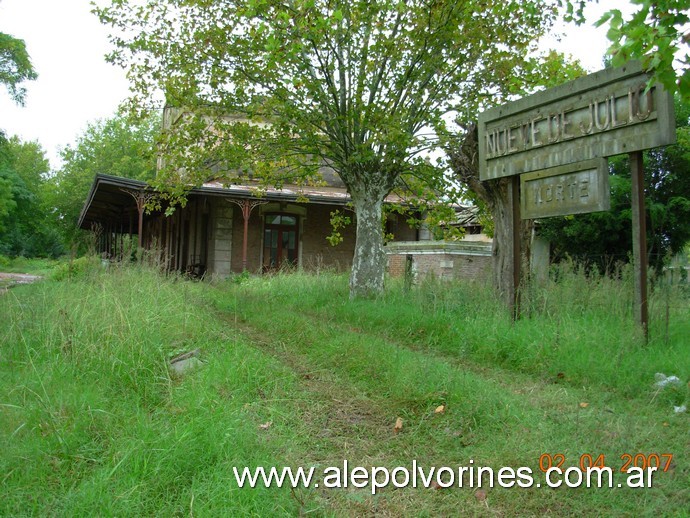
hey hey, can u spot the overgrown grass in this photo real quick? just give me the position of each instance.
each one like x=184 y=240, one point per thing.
x=92 y=421
x=296 y=374
x=577 y=329
x=36 y=266
x=573 y=377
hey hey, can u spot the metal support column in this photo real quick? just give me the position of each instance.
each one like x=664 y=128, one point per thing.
x=639 y=229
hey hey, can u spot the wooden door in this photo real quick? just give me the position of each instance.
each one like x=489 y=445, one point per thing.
x=280 y=241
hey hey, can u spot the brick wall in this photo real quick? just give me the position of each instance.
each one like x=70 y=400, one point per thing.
x=453 y=260
x=315 y=251
x=396 y=265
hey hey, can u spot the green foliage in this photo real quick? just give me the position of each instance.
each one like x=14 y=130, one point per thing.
x=18 y=182
x=39 y=211
x=7 y=203
x=440 y=224
x=26 y=226
x=76 y=268
x=15 y=66
x=658 y=34
x=367 y=87
x=338 y=221
x=240 y=278
x=115 y=146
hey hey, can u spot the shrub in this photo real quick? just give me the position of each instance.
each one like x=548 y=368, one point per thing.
x=79 y=267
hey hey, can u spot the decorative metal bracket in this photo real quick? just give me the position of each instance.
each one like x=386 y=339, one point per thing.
x=246 y=206
x=141 y=198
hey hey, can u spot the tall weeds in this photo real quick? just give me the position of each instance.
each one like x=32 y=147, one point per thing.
x=91 y=420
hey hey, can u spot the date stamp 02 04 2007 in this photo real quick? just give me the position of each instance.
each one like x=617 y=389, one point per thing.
x=661 y=461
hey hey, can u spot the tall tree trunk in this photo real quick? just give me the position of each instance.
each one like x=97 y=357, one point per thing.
x=369 y=261
x=496 y=194
x=498 y=200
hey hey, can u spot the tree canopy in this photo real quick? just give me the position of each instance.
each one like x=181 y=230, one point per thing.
x=7 y=203
x=25 y=225
x=365 y=87
x=22 y=165
x=15 y=66
x=39 y=208
x=115 y=146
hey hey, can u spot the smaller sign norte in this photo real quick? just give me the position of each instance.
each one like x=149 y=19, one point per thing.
x=571 y=189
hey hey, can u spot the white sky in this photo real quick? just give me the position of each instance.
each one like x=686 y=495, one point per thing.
x=75 y=85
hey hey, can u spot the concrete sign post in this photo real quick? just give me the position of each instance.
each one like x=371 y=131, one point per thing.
x=562 y=136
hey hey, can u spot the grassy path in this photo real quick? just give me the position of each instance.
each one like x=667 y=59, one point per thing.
x=8 y=280
x=294 y=374
x=494 y=416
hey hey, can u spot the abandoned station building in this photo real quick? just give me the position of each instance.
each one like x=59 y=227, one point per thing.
x=227 y=228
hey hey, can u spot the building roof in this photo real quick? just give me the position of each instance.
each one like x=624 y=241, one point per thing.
x=110 y=199
x=466 y=216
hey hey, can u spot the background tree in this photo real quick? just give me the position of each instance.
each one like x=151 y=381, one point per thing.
x=7 y=203
x=116 y=146
x=602 y=238
x=25 y=230
x=15 y=66
x=363 y=86
x=494 y=196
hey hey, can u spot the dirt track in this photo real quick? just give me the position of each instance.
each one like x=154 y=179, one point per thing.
x=7 y=280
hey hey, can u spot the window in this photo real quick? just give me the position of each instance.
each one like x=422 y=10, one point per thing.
x=280 y=241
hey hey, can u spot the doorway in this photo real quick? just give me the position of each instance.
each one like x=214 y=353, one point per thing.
x=280 y=241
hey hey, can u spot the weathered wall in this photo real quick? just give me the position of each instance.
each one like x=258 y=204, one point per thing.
x=315 y=251
x=208 y=233
x=221 y=238
x=397 y=225
x=447 y=260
